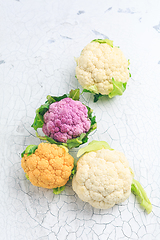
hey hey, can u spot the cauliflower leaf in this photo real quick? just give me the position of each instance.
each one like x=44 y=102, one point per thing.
x=26 y=176
x=109 y=42
x=71 y=143
x=118 y=88
x=96 y=95
x=76 y=142
x=74 y=94
x=73 y=172
x=29 y=150
x=58 y=190
x=93 y=146
x=91 y=89
x=138 y=190
x=38 y=121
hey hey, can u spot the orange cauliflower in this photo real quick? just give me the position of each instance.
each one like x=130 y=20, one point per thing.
x=49 y=166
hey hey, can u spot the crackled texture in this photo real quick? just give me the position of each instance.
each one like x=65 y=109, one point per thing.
x=98 y=64
x=39 y=41
x=66 y=119
x=103 y=178
x=49 y=167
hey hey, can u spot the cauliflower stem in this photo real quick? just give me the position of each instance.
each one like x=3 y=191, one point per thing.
x=138 y=190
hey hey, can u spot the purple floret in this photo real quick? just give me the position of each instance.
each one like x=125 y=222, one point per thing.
x=65 y=120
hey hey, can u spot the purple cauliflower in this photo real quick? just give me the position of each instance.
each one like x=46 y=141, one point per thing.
x=66 y=119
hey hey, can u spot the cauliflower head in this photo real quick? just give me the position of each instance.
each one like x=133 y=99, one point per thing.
x=49 y=166
x=100 y=66
x=103 y=178
x=66 y=119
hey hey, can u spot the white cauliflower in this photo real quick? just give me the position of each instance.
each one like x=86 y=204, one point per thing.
x=104 y=178
x=102 y=68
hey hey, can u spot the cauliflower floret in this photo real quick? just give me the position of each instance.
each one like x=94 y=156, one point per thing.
x=49 y=167
x=99 y=64
x=103 y=178
x=66 y=119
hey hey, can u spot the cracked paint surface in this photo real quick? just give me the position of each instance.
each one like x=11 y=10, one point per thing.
x=39 y=42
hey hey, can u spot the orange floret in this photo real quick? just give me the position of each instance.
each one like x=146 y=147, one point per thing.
x=49 y=167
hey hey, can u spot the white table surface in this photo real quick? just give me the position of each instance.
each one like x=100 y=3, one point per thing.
x=38 y=42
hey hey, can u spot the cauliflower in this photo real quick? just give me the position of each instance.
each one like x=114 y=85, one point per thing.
x=102 y=69
x=65 y=120
x=47 y=165
x=104 y=178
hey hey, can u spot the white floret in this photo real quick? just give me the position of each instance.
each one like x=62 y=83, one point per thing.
x=103 y=178
x=98 y=64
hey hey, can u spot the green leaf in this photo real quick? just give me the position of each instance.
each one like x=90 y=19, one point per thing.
x=96 y=94
x=93 y=121
x=74 y=94
x=73 y=172
x=52 y=99
x=72 y=143
x=38 y=121
x=138 y=190
x=51 y=140
x=91 y=89
x=90 y=111
x=109 y=42
x=118 y=88
x=29 y=150
x=128 y=62
x=58 y=190
x=93 y=146
x=129 y=74
x=75 y=142
x=26 y=176
x=43 y=109
x=22 y=154
x=86 y=90
x=97 y=97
